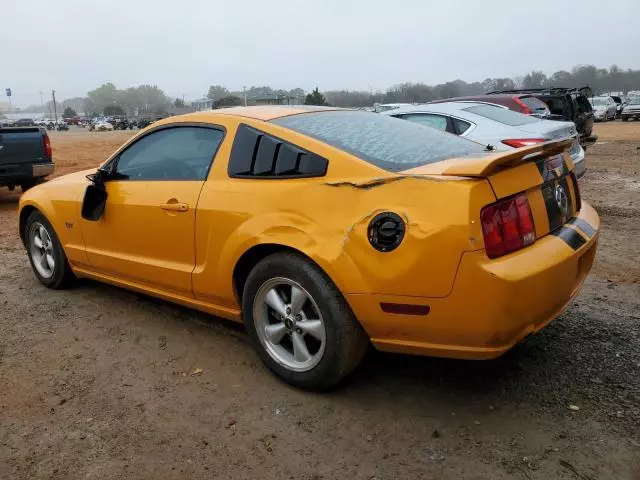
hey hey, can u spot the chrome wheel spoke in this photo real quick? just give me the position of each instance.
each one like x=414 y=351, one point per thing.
x=300 y=350
x=43 y=261
x=313 y=328
x=37 y=241
x=50 y=261
x=274 y=300
x=298 y=299
x=276 y=332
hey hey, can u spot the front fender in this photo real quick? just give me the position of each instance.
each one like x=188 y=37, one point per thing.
x=59 y=201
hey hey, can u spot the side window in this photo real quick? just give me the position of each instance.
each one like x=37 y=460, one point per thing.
x=460 y=125
x=256 y=154
x=177 y=153
x=434 y=121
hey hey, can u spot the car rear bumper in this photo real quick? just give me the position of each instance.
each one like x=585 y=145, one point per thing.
x=634 y=115
x=14 y=174
x=494 y=303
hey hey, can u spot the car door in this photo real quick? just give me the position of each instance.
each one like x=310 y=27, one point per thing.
x=146 y=233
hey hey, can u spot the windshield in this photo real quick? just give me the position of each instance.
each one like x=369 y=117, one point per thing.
x=502 y=115
x=386 y=142
x=598 y=102
x=634 y=101
x=535 y=105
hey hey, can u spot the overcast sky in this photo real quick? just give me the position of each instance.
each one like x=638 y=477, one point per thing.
x=185 y=45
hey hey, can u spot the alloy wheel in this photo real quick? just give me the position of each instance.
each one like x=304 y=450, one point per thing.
x=289 y=324
x=41 y=250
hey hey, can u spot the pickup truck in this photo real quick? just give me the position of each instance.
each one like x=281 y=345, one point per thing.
x=25 y=157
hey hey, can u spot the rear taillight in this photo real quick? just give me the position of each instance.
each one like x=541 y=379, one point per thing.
x=47 y=146
x=507 y=226
x=522 y=142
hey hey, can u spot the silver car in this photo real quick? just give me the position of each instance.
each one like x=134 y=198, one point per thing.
x=604 y=108
x=493 y=125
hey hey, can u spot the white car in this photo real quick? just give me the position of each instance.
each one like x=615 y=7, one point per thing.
x=493 y=125
x=604 y=108
x=102 y=126
x=385 y=107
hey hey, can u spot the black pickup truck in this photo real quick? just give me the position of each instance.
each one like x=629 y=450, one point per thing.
x=25 y=156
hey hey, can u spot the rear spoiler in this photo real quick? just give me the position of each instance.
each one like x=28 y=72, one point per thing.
x=485 y=165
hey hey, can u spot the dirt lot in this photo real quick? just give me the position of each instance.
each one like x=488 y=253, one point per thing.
x=96 y=381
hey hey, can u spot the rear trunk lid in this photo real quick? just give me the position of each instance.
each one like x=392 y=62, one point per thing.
x=22 y=145
x=551 y=130
x=543 y=171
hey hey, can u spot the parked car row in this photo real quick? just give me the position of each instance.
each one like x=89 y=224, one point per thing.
x=559 y=104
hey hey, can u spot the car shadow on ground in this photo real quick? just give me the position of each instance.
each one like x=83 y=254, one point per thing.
x=558 y=366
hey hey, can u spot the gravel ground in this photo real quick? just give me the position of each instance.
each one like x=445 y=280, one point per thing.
x=103 y=383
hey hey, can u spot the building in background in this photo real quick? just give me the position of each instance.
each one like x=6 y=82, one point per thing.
x=202 y=104
x=275 y=99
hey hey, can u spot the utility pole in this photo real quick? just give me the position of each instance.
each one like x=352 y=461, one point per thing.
x=244 y=90
x=55 y=108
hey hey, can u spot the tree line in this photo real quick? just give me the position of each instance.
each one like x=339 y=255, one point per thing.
x=600 y=80
x=151 y=100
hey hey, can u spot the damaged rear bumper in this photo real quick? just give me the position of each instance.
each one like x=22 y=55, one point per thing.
x=494 y=304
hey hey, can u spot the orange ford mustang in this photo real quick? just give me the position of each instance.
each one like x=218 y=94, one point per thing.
x=325 y=230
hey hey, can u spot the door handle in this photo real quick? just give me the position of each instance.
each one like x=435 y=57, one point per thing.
x=175 y=207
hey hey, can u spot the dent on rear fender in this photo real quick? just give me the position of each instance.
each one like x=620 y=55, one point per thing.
x=297 y=232
x=440 y=227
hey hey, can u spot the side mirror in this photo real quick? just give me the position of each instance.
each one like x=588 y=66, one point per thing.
x=95 y=197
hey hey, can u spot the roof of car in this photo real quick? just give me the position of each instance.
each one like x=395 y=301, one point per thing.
x=267 y=112
x=482 y=98
x=449 y=107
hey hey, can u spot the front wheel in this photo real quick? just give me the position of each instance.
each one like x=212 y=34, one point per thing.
x=46 y=256
x=301 y=325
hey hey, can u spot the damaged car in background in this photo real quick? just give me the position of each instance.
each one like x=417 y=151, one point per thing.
x=324 y=231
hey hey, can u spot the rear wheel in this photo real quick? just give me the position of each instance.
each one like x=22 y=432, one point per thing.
x=625 y=119
x=46 y=256
x=301 y=325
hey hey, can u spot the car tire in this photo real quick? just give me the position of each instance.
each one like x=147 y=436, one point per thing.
x=625 y=119
x=315 y=318
x=47 y=258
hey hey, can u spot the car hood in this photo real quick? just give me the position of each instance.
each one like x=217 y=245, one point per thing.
x=71 y=178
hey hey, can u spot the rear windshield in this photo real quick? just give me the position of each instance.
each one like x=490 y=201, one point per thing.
x=386 y=142
x=598 y=101
x=502 y=115
x=535 y=105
